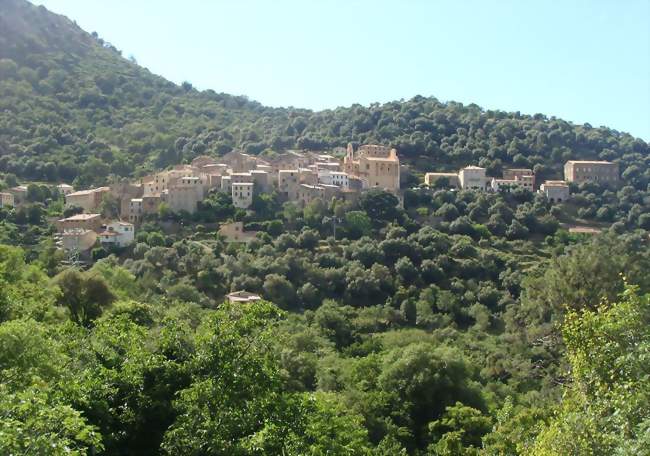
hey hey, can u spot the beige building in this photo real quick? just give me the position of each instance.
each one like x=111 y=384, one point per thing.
x=521 y=181
x=135 y=210
x=65 y=189
x=226 y=184
x=430 y=179
x=89 y=200
x=308 y=193
x=261 y=180
x=473 y=178
x=242 y=194
x=78 y=239
x=308 y=176
x=376 y=166
x=239 y=162
x=288 y=183
x=80 y=221
x=19 y=193
x=234 y=232
x=521 y=174
x=555 y=191
x=591 y=171
x=6 y=199
x=185 y=193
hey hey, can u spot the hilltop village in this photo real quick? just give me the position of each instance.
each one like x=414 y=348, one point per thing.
x=298 y=177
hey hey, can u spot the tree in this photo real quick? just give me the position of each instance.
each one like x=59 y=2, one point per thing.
x=607 y=408
x=279 y=290
x=35 y=422
x=85 y=295
x=357 y=224
x=235 y=404
x=448 y=212
x=380 y=205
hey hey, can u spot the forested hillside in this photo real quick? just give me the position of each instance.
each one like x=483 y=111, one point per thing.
x=71 y=107
x=459 y=323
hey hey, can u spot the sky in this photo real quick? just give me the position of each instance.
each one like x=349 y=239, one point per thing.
x=580 y=60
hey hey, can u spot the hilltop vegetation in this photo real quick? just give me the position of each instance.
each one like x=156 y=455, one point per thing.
x=463 y=323
x=72 y=108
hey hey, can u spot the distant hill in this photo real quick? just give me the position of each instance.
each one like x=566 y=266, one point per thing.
x=72 y=108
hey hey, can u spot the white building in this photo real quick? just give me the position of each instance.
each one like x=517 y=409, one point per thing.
x=338 y=178
x=472 y=178
x=555 y=191
x=118 y=233
x=525 y=182
x=242 y=194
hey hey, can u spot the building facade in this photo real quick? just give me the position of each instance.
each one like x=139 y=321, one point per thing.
x=450 y=180
x=603 y=172
x=242 y=194
x=376 y=166
x=80 y=221
x=6 y=199
x=88 y=200
x=525 y=175
x=473 y=178
x=78 y=239
x=555 y=191
x=184 y=194
x=117 y=233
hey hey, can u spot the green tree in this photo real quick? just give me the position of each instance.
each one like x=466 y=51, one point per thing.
x=85 y=295
x=607 y=409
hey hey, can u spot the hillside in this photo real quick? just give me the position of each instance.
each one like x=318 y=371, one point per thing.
x=72 y=108
x=461 y=322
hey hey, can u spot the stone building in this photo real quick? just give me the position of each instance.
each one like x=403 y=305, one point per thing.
x=80 y=221
x=450 y=179
x=78 y=239
x=65 y=189
x=89 y=200
x=555 y=191
x=6 y=199
x=591 y=171
x=135 y=210
x=524 y=175
x=19 y=193
x=376 y=166
x=308 y=193
x=184 y=194
x=242 y=194
x=288 y=183
x=522 y=181
x=234 y=232
x=261 y=180
x=473 y=178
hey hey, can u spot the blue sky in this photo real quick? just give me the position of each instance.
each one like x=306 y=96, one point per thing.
x=581 y=60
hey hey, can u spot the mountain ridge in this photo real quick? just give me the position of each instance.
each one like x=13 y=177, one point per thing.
x=85 y=113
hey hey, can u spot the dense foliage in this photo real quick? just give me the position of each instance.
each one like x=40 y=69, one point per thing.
x=462 y=323
x=72 y=108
